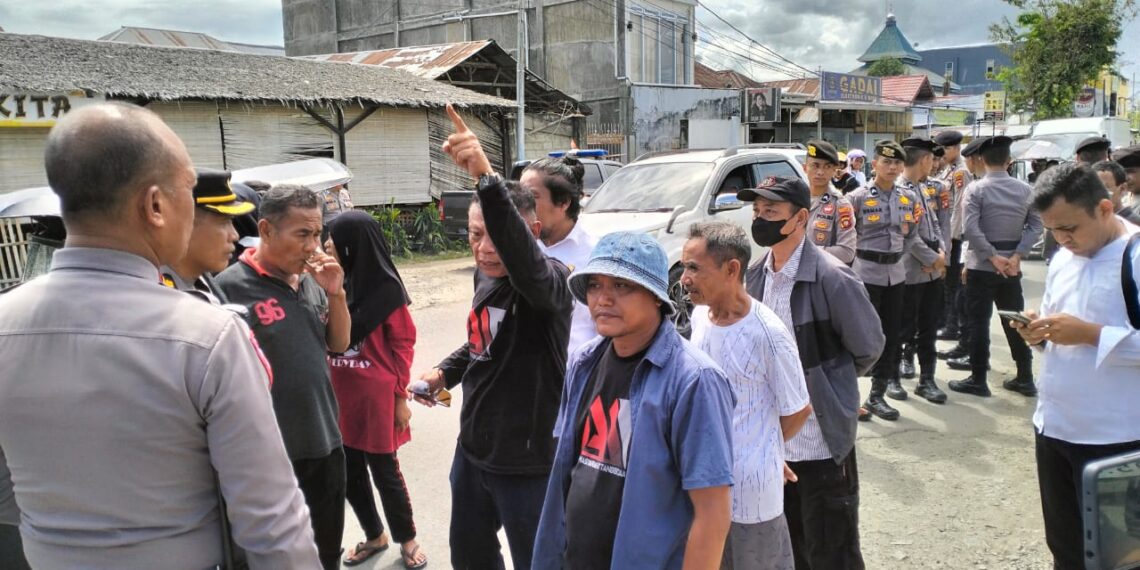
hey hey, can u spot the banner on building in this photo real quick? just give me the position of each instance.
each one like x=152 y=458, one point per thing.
x=762 y=105
x=845 y=87
x=39 y=109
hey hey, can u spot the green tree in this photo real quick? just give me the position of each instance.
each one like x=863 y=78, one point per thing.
x=1057 y=47
x=886 y=67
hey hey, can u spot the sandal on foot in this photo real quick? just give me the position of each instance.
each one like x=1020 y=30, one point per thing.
x=410 y=558
x=367 y=551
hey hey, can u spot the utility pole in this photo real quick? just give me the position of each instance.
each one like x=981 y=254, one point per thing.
x=520 y=86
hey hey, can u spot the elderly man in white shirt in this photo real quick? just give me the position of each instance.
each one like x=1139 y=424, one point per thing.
x=1088 y=388
x=557 y=187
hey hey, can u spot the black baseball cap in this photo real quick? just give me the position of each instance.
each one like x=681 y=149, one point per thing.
x=948 y=138
x=890 y=149
x=213 y=192
x=779 y=189
x=1093 y=143
x=822 y=150
x=1128 y=157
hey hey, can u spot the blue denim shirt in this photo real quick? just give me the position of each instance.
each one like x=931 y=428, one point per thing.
x=681 y=416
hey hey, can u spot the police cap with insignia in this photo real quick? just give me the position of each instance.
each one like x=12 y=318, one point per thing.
x=972 y=148
x=213 y=192
x=1094 y=143
x=822 y=150
x=779 y=189
x=948 y=138
x=1128 y=157
x=919 y=143
x=890 y=149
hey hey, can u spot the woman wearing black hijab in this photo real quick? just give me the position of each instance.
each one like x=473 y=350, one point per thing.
x=371 y=382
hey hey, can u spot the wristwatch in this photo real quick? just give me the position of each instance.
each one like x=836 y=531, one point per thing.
x=488 y=180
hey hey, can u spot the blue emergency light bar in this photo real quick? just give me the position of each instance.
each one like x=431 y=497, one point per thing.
x=587 y=153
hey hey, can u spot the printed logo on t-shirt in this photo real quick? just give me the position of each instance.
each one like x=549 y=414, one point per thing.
x=269 y=311
x=350 y=359
x=605 y=437
x=482 y=326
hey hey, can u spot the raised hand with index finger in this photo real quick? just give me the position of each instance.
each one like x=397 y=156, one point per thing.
x=464 y=148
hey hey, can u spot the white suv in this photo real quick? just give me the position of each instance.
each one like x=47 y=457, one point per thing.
x=664 y=193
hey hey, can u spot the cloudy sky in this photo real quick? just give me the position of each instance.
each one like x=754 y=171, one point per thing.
x=812 y=33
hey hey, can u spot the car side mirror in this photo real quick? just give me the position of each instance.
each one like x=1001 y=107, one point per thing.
x=1111 y=502
x=727 y=201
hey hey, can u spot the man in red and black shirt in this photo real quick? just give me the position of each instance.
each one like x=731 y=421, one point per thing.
x=511 y=368
x=295 y=296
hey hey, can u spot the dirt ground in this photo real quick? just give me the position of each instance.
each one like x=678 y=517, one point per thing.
x=951 y=486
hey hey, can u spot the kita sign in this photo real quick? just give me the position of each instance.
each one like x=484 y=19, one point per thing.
x=38 y=109
x=844 y=87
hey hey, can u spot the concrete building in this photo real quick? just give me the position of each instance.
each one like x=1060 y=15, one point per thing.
x=604 y=53
x=973 y=68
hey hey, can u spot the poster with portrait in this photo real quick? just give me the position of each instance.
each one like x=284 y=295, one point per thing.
x=762 y=105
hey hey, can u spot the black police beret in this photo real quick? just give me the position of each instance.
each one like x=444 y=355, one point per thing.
x=1093 y=143
x=890 y=149
x=822 y=150
x=919 y=143
x=1128 y=157
x=948 y=138
x=972 y=148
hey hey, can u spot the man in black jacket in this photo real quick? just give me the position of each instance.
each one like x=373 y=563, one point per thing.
x=839 y=337
x=512 y=369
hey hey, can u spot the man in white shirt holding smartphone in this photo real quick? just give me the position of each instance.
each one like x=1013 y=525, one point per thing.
x=1090 y=346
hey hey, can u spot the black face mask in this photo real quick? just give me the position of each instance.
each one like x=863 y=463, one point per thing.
x=766 y=233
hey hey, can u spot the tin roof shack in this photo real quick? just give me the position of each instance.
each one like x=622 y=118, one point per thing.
x=553 y=118
x=236 y=110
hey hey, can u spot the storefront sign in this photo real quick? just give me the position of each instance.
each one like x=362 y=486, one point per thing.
x=39 y=109
x=844 y=87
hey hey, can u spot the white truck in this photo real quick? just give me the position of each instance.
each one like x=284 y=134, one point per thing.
x=1067 y=133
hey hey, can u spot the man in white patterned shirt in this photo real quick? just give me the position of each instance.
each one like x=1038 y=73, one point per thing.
x=838 y=337
x=759 y=356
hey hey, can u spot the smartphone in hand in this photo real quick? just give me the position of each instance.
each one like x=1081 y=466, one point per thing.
x=1015 y=316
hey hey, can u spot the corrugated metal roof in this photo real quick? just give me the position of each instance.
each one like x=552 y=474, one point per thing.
x=802 y=87
x=720 y=78
x=426 y=61
x=906 y=89
x=176 y=38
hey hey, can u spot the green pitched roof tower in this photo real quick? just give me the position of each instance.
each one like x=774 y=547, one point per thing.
x=891 y=43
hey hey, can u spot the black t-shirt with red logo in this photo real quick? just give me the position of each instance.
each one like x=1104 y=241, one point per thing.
x=290 y=327
x=597 y=481
x=513 y=364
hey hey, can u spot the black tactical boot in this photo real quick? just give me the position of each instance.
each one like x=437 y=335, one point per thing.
x=895 y=390
x=957 y=352
x=970 y=386
x=1023 y=384
x=876 y=404
x=928 y=388
x=906 y=364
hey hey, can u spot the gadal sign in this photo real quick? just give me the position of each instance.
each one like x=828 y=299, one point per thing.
x=845 y=87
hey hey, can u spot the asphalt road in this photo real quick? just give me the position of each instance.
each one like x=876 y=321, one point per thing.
x=950 y=486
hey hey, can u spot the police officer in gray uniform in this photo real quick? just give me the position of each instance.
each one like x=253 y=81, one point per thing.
x=1001 y=227
x=925 y=263
x=885 y=218
x=831 y=225
x=212 y=239
x=956 y=177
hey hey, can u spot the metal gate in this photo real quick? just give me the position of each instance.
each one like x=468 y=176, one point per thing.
x=13 y=253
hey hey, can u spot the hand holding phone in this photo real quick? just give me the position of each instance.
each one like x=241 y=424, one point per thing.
x=1015 y=316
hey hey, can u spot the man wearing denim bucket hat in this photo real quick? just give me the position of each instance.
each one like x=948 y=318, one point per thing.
x=639 y=382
